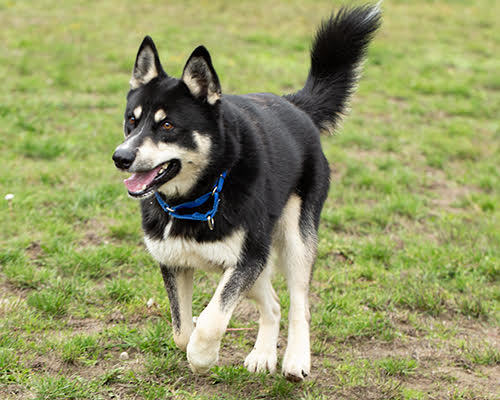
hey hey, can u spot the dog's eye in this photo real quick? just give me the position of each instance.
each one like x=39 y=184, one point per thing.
x=131 y=120
x=167 y=126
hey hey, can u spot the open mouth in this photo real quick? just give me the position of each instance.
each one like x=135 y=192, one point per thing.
x=142 y=184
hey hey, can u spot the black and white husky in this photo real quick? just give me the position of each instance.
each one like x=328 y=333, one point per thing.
x=237 y=183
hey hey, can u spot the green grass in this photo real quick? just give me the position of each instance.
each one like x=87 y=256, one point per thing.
x=405 y=294
x=80 y=348
x=62 y=388
x=50 y=301
x=397 y=366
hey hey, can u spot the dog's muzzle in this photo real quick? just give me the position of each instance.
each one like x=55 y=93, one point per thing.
x=124 y=158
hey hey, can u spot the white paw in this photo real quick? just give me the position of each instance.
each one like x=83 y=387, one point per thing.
x=181 y=341
x=260 y=361
x=296 y=366
x=202 y=354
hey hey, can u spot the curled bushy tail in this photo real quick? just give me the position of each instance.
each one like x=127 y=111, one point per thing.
x=337 y=51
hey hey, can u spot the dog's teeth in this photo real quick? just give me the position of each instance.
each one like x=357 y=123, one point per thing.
x=143 y=187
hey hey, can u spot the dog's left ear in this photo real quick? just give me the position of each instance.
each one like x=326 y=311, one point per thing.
x=147 y=64
x=200 y=77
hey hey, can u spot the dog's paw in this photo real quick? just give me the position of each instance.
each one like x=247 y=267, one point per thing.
x=201 y=354
x=260 y=361
x=296 y=366
x=182 y=341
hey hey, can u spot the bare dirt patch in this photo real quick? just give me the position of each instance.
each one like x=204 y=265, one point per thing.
x=34 y=251
x=85 y=325
x=445 y=193
x=13 y=391
x=437 y=372
x=9 y=290
x=95 y=232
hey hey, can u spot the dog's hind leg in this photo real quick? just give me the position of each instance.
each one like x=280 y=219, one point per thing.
x=263 y=356
x=296 y=251
x=179 y=285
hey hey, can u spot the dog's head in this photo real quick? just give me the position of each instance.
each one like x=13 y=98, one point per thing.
x=171 y=125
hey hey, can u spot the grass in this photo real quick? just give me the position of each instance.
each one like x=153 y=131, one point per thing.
x=397 y=366
x=80 y=348
x=50 y=301
x=405 y=294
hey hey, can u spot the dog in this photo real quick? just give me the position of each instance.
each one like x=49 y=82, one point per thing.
x=236 y=183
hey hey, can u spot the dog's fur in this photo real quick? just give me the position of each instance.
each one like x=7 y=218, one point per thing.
x=276 y=185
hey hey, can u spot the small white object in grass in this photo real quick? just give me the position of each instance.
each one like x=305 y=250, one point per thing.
x=124 y=356
x=150 y=302
x=9 y=196
x=195 y=320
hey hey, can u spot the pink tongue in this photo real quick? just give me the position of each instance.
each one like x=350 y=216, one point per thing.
x=137 y=181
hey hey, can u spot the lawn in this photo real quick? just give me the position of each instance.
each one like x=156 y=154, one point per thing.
x=405 y=295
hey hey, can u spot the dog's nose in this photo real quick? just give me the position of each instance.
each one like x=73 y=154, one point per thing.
x=123 y=158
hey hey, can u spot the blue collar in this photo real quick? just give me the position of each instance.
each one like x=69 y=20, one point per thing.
x=196 y=216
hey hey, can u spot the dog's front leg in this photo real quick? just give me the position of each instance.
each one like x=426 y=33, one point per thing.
x=203 y=347
x=179 y=285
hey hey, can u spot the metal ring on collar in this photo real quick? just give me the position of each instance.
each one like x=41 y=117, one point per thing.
x=210 y=221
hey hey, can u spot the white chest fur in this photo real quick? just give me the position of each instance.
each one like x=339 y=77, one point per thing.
x=188 y=253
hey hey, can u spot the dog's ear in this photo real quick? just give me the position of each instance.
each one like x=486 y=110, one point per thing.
x=147 y=64
x=200 y=77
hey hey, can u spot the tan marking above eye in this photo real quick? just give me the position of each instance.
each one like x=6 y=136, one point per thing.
x=137 y=112
x=160 y=115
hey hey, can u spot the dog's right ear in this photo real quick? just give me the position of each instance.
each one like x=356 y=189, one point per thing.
x=200 y=77
x=147 y=64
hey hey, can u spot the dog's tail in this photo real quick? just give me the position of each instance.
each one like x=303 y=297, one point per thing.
x=337 y=51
